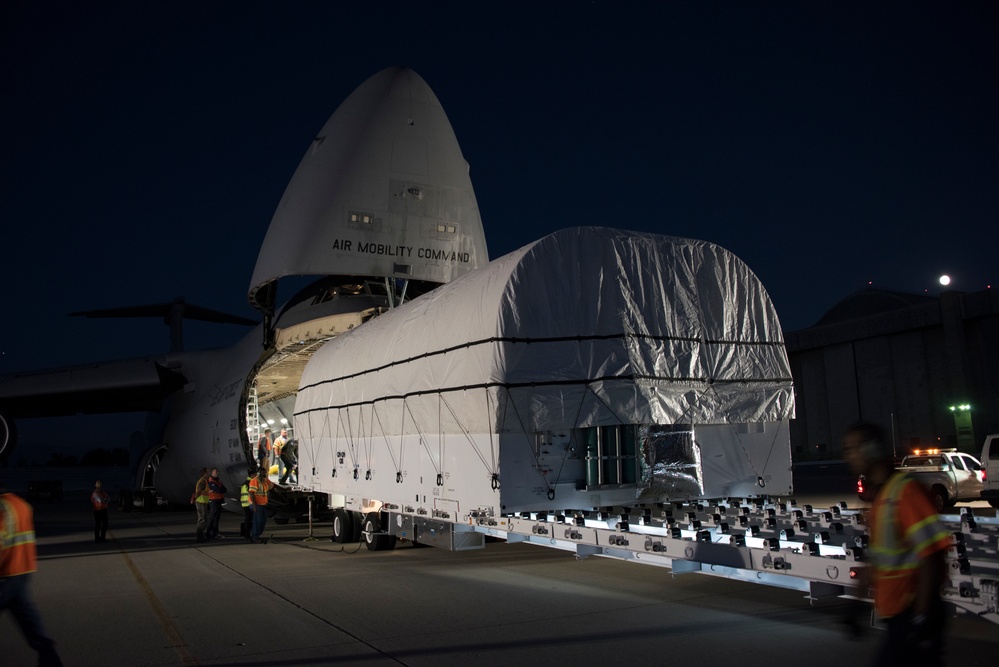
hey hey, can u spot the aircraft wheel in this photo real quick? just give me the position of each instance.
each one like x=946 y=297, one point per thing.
x=343 y=525
x=148 y=501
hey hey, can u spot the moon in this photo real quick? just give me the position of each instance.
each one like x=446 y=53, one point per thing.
x=945 y=280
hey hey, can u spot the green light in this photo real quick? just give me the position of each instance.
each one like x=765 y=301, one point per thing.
x=964 y=407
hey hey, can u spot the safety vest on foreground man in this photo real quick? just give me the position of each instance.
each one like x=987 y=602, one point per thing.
x=17 y=537
x=906 y=530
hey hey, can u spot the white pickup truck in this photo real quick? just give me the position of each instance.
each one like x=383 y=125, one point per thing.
x=951 y=476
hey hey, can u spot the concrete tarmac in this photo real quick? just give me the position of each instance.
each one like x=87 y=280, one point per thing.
x=151 y=595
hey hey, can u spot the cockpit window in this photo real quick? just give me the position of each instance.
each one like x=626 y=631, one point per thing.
x=325 y=296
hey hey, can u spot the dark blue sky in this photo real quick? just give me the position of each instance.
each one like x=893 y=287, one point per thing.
x=145 y=145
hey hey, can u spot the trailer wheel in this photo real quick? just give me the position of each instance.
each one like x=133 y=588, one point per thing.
x=343 y=525
x=373 y=538
x=369 y=527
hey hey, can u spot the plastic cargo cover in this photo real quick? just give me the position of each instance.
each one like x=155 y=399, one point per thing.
x=588 y=326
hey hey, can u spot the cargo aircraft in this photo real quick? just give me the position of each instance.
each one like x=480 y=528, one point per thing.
x=380 y=210
x=586 y=392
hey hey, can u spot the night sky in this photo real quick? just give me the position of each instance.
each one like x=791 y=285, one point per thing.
x=145 y=145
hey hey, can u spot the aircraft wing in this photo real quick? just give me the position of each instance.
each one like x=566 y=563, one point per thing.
x=133 y=385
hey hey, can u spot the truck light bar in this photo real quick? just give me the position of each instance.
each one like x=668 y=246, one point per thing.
x=918 y=452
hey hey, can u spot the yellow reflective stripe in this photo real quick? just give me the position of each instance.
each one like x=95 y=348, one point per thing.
x=26 y=537
x=928 y=536
x=892 y=492
x=921 y=524
x=935 y=537
x=925 y=529
x=888 y=552
x=8 y=537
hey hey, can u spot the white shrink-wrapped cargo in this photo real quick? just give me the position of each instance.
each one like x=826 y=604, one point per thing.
x=591 y=368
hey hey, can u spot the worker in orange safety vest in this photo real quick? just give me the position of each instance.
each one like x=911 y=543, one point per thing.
x=100 y=500
x=216 y=497
x=258 y=489
x=200 y=500
x=17 y=561
x=907 y=553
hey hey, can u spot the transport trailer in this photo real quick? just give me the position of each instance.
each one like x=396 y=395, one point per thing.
x=816 y=550
x=607 y=393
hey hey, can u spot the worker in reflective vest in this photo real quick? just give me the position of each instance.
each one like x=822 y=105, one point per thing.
x=244 y=500
x=200 y=500
x=258 y=489
x=907 y=553
x=216 y=496
x=100 y=501
x=17 y=561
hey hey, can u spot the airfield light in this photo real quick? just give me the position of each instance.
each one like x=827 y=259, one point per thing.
x=945 y=280
x=963 y=427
